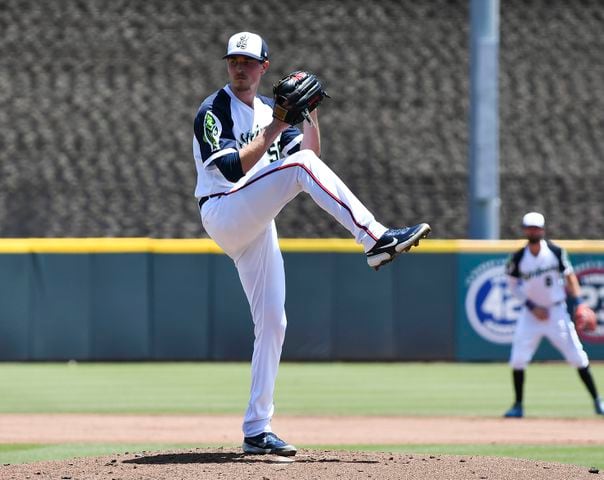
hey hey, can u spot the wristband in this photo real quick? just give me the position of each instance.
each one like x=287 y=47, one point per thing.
x=575 y=301
x=530 y=305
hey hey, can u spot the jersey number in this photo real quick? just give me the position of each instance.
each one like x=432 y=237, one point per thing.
x=273 y=153
x=548 y=281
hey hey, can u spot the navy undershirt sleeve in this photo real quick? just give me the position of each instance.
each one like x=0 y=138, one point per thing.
x=513 y=264
x=230 y=166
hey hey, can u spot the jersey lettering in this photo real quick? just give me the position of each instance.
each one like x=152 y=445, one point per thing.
x=245 y=138
x=537 y=272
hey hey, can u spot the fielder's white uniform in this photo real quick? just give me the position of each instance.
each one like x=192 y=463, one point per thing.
x=239 y=216
x=540 y=280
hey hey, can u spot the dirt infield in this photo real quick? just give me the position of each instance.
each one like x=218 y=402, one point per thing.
x=231 y=464
x=228 y=462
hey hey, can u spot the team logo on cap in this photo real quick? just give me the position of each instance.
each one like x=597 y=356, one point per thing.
x=491 y=308
x=591 y=278
x=212 y=128
x=242 y=43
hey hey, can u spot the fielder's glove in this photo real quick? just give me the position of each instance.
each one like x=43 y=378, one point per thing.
x=585 y=318
x=296 y=95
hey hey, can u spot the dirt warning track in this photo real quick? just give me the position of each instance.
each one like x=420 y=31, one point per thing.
x=299 y=430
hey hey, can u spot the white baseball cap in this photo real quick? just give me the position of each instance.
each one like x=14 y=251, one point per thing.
x=248 y=44
x=533 y=219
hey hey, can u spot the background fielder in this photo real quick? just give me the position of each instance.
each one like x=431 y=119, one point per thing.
x=249 y=166
x=541 y=276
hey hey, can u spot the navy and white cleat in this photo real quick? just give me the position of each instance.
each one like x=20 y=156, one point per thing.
x=599 y=406
x=395 y=241
x=268 y=443
x=515 y=412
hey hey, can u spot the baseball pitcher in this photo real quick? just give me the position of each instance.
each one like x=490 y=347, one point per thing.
x=251 y=161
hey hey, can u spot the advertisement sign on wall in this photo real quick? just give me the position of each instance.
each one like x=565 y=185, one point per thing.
x=488 y=310
x=491 y=308
x=591 y=278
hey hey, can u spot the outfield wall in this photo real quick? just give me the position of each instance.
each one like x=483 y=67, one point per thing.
x=150 y=299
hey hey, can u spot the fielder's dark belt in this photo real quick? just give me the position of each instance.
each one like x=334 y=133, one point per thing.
x=203 y=200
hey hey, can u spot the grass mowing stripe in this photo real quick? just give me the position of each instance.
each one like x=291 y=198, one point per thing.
x=424 y=389
x=583 y=455
x=15 y=453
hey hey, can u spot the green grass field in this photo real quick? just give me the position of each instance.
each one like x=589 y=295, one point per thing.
x=420 y=389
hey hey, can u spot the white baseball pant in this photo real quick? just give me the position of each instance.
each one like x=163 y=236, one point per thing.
x=241 y=222
x=558 y=329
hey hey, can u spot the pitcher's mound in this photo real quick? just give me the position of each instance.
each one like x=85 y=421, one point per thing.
x=307 y=464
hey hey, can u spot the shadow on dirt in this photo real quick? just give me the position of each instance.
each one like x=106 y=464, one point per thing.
x=230 y=457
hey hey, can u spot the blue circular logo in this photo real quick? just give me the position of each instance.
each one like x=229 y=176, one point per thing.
x=491 y=307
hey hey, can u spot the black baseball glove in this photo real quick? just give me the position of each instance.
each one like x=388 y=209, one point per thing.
x=296 y=95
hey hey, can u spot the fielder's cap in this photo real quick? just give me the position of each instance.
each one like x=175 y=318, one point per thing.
x=533 y=219
x=248 y=44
